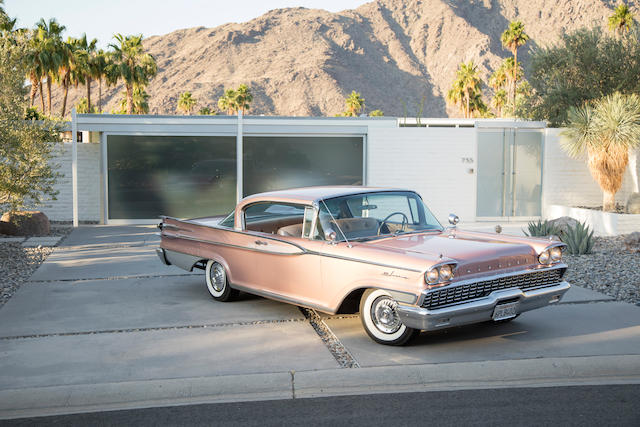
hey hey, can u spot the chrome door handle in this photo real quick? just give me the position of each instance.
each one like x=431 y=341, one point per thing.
x=260 y=242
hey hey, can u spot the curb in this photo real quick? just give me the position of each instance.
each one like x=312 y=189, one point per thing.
x=543 y=372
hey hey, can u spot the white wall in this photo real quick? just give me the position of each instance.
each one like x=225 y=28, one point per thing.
x=568 y=182
x=88 y=184
x=429 y=161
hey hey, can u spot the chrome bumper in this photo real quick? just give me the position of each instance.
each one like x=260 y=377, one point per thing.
x=163 y=257
x=479 y=310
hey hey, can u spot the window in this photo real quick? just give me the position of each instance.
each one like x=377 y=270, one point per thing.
x=376 y=214
x=284 y=219
x=228 y=221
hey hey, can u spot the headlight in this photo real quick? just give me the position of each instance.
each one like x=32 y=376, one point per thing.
x=445 y=273
x=556 y=254
x=432 y=276
x=543 y=258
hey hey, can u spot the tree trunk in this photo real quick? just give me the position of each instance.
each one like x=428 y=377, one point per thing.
x=64 y=99
x=467 y=113
x=609 y=201
x=129 y=99
x=49 y=95
x=89 y=94
x=633 y=168
x=34 y=91
x=100 y=95
x=41 y=96
x=515 y=77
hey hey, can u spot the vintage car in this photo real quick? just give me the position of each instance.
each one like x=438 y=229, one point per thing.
x=377 y=251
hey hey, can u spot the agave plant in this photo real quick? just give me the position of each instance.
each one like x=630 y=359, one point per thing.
x=579 y=239
x=542 y=229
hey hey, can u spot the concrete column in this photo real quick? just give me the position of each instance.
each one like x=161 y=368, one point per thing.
x=239 y=188
x=74 y=165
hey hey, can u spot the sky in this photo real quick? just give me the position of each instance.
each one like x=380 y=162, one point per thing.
x=101 y=19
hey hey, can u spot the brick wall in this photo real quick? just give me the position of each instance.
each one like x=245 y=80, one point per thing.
x=88 y=185
x=431 y=161
x=567 y=181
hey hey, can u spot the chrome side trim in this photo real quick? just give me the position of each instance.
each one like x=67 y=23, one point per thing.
x=279 y=298
x=229 y=245
x=364 y=261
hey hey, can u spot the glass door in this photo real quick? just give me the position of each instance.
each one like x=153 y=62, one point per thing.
x=509 y=173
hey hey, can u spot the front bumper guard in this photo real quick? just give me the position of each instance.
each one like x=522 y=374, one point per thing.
x=480 y=310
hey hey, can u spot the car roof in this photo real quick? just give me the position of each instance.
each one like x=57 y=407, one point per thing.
x=308 y=195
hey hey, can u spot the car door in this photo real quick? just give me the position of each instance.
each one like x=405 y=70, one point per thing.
x=282 y=267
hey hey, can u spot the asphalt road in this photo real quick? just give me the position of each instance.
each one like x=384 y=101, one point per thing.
x=563 y=406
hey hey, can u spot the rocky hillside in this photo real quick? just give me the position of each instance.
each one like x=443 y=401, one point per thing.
x=304 y=61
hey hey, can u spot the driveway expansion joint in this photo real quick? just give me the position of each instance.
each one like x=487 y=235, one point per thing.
x=342 y=355
x=140 y=276
x=152 y=329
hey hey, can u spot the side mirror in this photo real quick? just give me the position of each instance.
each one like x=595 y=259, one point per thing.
x=330 y=235
x=453 y=219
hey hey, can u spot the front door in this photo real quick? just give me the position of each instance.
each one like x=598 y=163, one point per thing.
x=509 y=173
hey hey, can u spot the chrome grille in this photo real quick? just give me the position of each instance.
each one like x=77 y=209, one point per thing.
x=469 y=291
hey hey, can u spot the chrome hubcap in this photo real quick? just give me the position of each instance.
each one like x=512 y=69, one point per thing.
x=384 y=315
x=217 y=276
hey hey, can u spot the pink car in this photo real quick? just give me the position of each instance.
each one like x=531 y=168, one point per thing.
x=377 y=251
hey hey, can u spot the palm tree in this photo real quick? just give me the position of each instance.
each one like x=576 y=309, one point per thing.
x=455 y=96
x=228 y=102
x=64 y=74
x=51 y=51
x=35 y=70
x=139 y=101
x=207 y=111
x=499 y=101
x=512 y=38
x=101 y=62
x=354 y=104
x=132 y=64
x=88 y=66
x=186 y=102
x=606 y=130
x=243 y=98
x=621 y=20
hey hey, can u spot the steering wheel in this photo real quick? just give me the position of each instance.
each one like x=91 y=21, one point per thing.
x=405 y=221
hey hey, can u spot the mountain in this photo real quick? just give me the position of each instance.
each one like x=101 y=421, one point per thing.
x=303 y=62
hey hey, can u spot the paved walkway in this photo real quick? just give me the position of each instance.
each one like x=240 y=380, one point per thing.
x=103 y=324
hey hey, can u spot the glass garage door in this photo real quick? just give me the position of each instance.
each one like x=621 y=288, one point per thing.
x=509 y=173
x=181 y=176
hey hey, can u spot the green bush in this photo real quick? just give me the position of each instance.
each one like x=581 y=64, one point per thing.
x=542 y=229
x=579 y=239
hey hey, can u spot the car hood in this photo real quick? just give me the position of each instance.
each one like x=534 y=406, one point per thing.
x=475 y=253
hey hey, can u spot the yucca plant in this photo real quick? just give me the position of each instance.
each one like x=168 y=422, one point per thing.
x=579 y=239
x=542 y=229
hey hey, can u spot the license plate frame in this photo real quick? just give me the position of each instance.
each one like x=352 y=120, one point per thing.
x=505 y=311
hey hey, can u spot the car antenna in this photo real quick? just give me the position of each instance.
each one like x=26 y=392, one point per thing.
x=336 y=223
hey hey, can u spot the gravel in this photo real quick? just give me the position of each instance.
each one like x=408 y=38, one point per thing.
x=17 y=264
x=610 y=269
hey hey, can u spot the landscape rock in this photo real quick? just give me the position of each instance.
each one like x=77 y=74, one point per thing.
x=632 y=241
x=633 y=204
x=27 y=223
x=564 y=223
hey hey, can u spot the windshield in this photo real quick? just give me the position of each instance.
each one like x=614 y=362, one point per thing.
x=372 y=215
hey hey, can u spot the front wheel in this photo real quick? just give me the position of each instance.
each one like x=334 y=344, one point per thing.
x=381 y=321
x=217 y=283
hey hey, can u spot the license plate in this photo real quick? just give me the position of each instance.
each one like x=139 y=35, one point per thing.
x=505 y=311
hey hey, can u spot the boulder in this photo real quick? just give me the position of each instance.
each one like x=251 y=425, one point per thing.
x=28 y=223
x=632 y=241
x=633 y=204
x=564 y=223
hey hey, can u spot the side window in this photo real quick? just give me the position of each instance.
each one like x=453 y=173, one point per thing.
x=274 y=218
x=228 y=221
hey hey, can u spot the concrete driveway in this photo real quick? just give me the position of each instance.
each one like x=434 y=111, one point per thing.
x=103 y=324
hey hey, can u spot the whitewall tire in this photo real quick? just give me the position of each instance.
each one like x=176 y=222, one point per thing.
x=380 y=319
x=217 y=282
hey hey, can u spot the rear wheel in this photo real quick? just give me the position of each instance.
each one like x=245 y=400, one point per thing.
x=217 y=283
x=381 y=321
